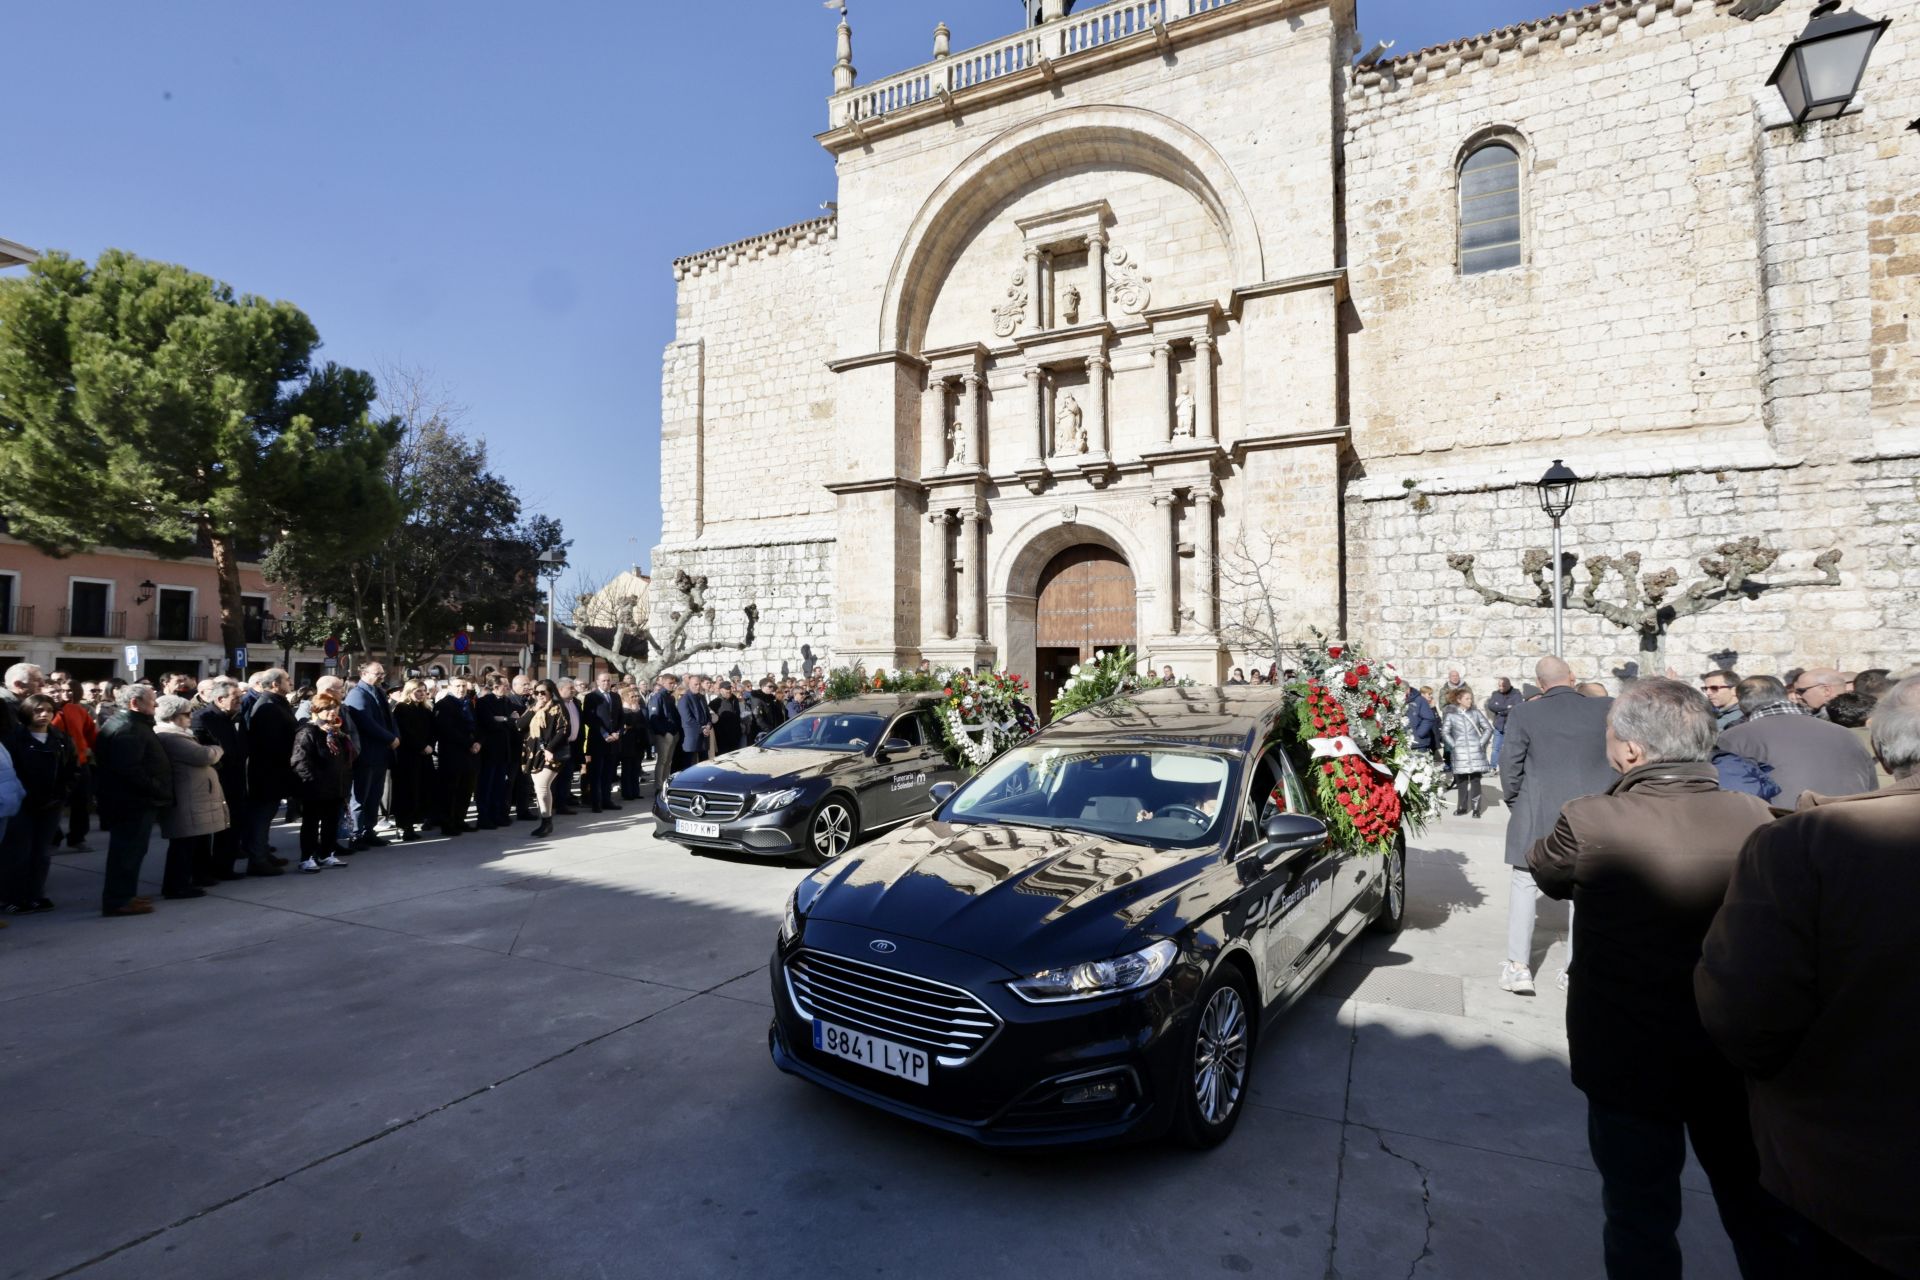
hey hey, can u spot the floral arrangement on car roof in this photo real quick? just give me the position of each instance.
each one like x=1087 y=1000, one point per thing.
x=851 y=682
x=1352 y=747
x=983 y=715
x=1111 y=672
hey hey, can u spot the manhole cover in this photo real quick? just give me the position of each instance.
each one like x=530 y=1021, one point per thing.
x=1398 y=986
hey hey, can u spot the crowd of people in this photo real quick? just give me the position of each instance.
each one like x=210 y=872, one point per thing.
x=211 y=764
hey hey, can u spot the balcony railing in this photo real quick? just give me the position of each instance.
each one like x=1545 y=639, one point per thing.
x=1089 y=29
x=16 y=620
x=93 y=626
x=177 y=630
x=253 y=629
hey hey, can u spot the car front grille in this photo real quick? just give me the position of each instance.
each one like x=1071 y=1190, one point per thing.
x=712 y=806
x=947 y=1022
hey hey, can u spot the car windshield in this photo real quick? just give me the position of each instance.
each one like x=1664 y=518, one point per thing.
x=1144 y=795
x=825 y=731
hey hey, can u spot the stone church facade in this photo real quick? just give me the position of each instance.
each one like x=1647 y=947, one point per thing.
x=1161 y=312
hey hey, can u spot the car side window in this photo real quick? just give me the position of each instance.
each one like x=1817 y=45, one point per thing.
x=907 y=729
x=929 y=728
x=1266 y=795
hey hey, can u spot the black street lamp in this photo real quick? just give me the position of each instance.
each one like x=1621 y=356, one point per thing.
x=146 y=593
x=1821 y=71
x=553 y=563
x=1557 y=489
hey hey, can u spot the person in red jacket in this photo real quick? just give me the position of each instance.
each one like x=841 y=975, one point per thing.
x=74 y=720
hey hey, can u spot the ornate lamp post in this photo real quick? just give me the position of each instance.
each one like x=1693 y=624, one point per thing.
x=1821 y=71
x=553 y=563
x=1557 y=489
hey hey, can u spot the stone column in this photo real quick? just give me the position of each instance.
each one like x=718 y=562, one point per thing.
x=1163 y=536
x=1037 y=309
x=1037 y=405
x=1204 y=568
x=1163 y=371
x=936 y=569
x=971 y=561
x=1097 y=263
x=1097 y=405
x=970 y=387
x=1203 y=387
x=933 y=426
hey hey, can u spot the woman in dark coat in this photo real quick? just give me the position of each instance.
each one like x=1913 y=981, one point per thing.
x=47 y=765
x=323 y=774
x=634 y=741
x=413 y=787
x=547 y=734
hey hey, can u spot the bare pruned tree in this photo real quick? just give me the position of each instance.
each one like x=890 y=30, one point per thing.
x=1646 y=603
x=1252 y=585
x=644 y=633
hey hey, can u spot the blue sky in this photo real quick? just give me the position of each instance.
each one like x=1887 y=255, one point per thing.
x=489 y=191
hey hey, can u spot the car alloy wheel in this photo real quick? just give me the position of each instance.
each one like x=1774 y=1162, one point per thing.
x=1220 y=1056
x=1393 y=905
x=831 y=830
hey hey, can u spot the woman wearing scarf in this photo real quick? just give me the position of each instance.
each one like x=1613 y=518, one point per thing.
x=323 y=773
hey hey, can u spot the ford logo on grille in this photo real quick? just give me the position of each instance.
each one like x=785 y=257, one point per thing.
x=884 y=947
x=698 y=806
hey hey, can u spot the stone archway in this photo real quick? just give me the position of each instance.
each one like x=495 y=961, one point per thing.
x=1086 y=603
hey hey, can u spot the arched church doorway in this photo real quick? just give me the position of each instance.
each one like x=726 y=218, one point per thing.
x=1087 y=602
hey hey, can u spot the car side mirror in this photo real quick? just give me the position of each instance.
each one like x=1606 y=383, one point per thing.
x=1287 y=833
x=893 y=747
x=940 y=791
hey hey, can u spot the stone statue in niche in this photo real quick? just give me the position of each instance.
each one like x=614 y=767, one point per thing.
x=1127 y=285
x=1069 y=427
x=1008 y=315
x=957 y=445
x=1183 y=415
x=1070 y=305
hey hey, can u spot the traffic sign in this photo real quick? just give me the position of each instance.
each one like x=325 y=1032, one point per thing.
x=240 y=658
x=459 y=659
x=460 y=643
x=133 y=659
x=332 y=647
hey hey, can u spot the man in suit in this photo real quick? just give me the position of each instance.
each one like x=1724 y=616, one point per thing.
x=1805 y=752
x=696 y=723
x=218 y=724
x=663 y=722
x=602 y=713
x=493 y=721
x=378 y=737
x=458 y=742
x=1555 y=751
x=270 y=726
x=519 y=702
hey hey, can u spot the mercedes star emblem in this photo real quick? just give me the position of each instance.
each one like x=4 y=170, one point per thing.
x=698 y=806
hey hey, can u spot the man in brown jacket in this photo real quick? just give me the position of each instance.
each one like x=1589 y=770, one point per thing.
x=1810 y=983
x=1647 y=864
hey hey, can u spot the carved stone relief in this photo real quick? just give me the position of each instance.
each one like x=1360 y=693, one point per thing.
x=1128 y=285
x=1183 y=414
x=1069 y=427
x=1070 y=306
x=957 y=444
x=1008 y=315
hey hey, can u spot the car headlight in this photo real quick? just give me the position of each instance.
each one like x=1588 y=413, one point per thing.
x=775 y=800
x=790 y=924
x=1142 y=968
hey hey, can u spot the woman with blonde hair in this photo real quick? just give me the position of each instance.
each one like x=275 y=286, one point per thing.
x=199 y=810
x=547 y=732
x=323 y=769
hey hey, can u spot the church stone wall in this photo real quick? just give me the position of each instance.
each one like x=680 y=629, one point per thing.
x=1712 y=323
x=746 y=431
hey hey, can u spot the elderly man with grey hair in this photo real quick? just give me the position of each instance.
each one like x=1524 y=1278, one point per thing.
x=1805 y=752
x=1810 y=984
x=1647 y=864
x=21 y=681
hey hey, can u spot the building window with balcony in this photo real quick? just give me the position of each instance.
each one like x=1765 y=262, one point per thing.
x=89 y=612
x=173 y=616
x=253 y=619
x=1490 y=207
x=15 y=619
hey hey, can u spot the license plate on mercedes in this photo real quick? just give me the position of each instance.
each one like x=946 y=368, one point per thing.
x=868 y=1051
x=709 y=830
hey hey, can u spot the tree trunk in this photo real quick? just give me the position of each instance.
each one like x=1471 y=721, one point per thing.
x=233 y=612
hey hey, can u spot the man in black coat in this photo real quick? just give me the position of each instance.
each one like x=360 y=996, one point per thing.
x=1555 y=750
x=519 y=702
x=218 y=724
x=458 y=741
x=1500 y=705
x=605 y=727
x=270 y=726
x=136 y=787
x=493 y=716
x=663 y=722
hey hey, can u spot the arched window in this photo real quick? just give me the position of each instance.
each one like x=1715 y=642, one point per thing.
x=1490 y=209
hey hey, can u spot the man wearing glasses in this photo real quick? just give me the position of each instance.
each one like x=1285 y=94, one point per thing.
x=1816 y=688
x=1719 y=686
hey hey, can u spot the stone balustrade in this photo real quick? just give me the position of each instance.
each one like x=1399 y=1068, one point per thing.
x=1086 y=30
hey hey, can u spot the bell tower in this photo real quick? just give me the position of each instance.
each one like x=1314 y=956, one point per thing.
x=1039 y=11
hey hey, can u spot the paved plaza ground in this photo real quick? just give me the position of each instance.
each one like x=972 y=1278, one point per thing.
x=496 y=1057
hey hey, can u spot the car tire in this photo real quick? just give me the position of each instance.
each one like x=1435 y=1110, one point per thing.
x=820 y=844
x=1393 y=896
x=1223 y=1018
